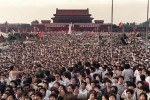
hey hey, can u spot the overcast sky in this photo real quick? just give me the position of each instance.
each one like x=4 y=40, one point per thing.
x=25 y=11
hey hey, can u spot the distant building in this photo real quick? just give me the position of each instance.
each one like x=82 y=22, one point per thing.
x=45 y=21
x=99 y=21
x=72 y=16
x=17 y=27
x=80 y=18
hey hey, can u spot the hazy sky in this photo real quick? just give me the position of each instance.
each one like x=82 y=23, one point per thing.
x=25 y=11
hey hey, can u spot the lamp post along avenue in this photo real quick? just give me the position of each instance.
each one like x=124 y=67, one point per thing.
x=147 y=27
x=111 y=34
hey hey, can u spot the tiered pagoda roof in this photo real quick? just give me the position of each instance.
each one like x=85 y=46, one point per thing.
x=72 y=12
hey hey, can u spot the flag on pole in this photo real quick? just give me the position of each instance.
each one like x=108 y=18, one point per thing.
x=41 y=34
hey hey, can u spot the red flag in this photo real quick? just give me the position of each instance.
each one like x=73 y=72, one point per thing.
x=120 y=25
x=89 y=35
x=41 y=34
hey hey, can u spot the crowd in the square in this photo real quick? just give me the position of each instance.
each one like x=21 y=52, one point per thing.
x=61 y=67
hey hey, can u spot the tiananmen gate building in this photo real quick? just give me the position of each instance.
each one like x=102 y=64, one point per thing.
x=80 y=18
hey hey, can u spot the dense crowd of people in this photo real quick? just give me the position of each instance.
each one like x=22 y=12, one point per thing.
x=73 y=67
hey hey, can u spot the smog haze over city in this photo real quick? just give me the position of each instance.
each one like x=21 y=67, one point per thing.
x=25 y=11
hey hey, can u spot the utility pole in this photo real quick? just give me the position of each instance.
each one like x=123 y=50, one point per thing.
x=147 y=27
x=111 y=34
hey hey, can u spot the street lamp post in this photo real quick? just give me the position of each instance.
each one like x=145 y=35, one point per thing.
x=111 y=34
x=147 y=27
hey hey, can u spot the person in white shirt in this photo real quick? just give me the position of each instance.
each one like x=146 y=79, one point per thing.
x=88 y=81
x=82 y=91
x=57 y=79
x=65 y=79
x=137 y=74
x=13 y=73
